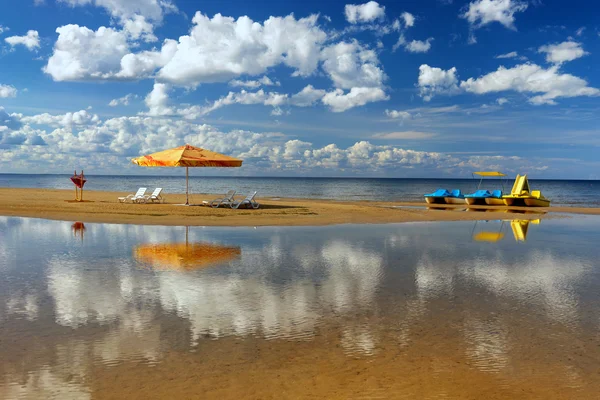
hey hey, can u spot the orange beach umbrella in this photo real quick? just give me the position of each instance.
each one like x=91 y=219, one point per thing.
x=187 y=156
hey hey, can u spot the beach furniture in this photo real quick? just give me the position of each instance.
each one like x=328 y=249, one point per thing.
x=480 y=196
x=437 y=197
x=247 y=202
x=521 y=195
x=227 y=200
x=134 y=198
x=155 y=196
x=456 y=197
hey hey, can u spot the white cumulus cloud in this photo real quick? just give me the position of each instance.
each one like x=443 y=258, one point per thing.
x=68 y=120
x=125 y=100
x=273 y=99
x=83 y=54
x=139 y=28
x=433 y=81
x=395 y=114
x=408 y=18
x=142 y=65
x=31 y=40
x=221 y=48
x=418 y=46
x=158 y=100
x=126 y=9
x=217 y=49
x=548 y=84
x=7 y=91
x=563 y=52
x=264 y=81
x=512 y=54
x=339 y=101
x=349 y=65
x=367 y=12
x=483 y=12
x=106 y=144
x=307 y=96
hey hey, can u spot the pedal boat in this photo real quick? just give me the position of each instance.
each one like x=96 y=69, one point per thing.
x=437 y=197
x=495 y=199
x=521 y=195
x=456 y=197
x=479 y=197
x=537 y=200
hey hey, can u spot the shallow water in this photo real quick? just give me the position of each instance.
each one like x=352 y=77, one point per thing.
x=429 y=310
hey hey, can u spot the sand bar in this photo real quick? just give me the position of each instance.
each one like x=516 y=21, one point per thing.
x=103 y=207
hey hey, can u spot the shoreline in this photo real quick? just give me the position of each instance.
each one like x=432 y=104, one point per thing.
x=103 y=207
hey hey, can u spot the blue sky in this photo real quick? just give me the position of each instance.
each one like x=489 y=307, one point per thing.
x=432 y=88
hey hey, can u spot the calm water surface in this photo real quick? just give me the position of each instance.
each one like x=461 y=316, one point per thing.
x=393 y=311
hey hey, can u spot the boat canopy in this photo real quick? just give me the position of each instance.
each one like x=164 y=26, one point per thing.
x=489 y=173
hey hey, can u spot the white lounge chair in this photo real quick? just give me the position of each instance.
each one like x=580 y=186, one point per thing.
x=247 y=202
x=134 y=198
x=155 y=196
x=227 y=200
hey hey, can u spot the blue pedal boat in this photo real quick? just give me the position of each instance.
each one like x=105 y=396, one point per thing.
x=456 y=197
x=478 y=197
x=437 y=197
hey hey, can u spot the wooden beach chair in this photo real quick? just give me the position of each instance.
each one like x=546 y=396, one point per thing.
x=134 y=198
x=227 y=200
x=155 y=196
x=248 y=202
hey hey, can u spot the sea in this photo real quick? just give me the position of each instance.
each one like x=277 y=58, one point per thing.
x=576 y=193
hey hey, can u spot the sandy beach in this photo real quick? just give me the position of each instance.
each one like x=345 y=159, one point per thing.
x=103 y=207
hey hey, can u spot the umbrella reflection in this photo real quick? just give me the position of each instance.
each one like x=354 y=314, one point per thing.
x=184 y=256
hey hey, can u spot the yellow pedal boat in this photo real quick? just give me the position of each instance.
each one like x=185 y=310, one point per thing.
x=521 y=195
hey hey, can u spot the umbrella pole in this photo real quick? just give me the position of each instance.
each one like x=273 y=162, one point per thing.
x=187 y=186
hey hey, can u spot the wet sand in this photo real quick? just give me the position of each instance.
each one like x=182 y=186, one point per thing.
x=103 y=207
x=433 y=358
